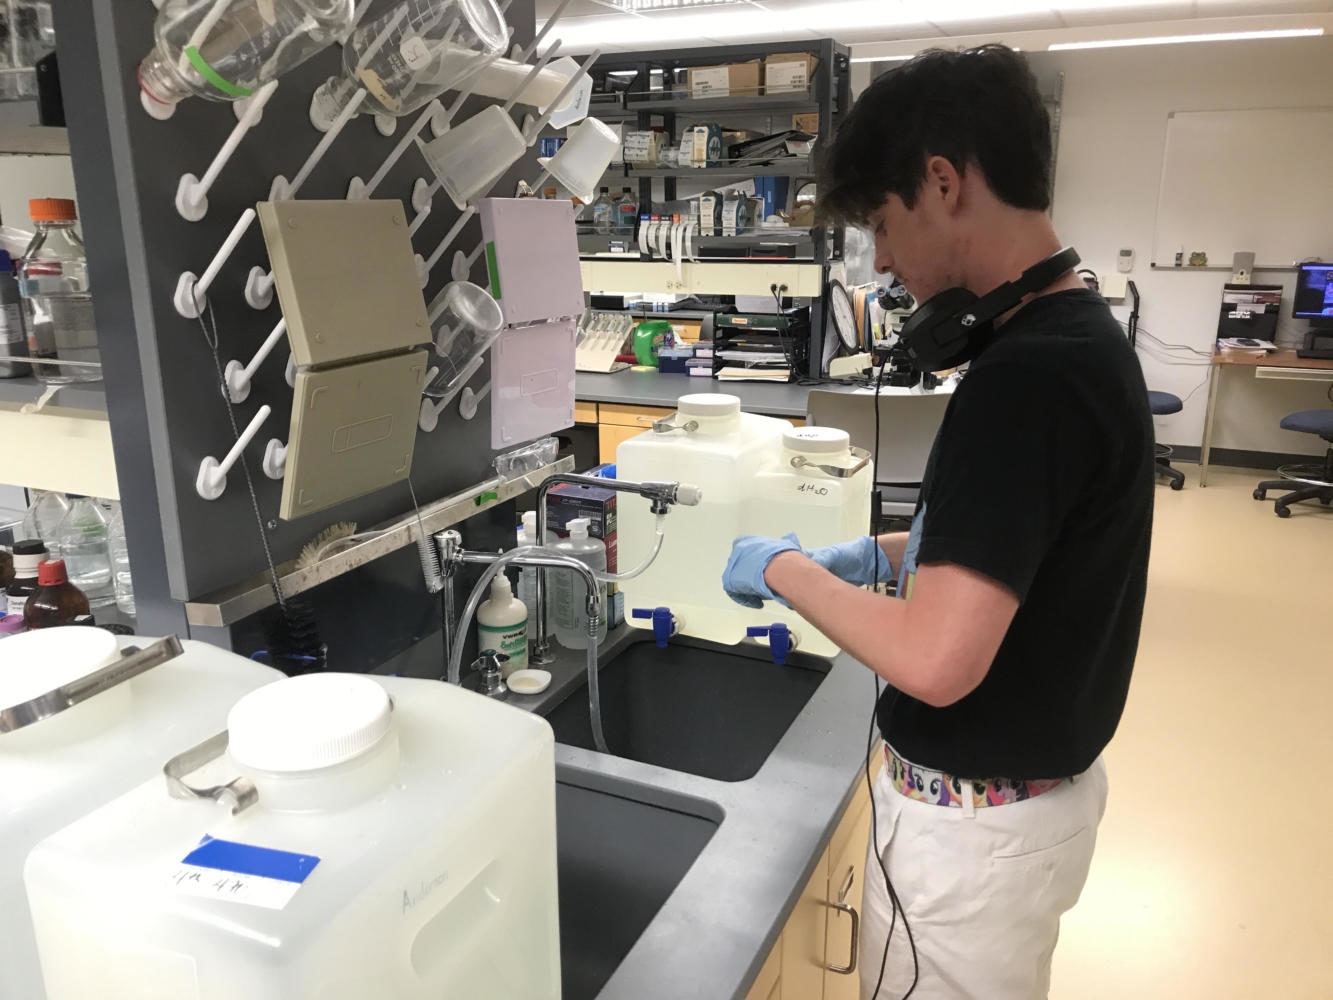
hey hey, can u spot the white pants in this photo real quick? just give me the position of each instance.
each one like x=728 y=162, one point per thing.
x=983 y=890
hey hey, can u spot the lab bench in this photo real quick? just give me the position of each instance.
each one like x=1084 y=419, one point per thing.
x=764 y=910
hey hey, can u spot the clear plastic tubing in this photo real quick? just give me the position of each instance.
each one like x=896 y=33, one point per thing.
x=640 y=569
x=544 y=557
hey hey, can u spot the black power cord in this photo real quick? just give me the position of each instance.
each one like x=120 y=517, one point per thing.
x=895 y=906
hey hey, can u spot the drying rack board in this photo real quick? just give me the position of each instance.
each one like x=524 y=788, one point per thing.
x=162 y=388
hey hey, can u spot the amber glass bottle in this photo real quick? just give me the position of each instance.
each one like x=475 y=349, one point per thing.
x=56 y=601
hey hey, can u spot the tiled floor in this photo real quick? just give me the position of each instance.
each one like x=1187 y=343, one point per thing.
x=1213 y=877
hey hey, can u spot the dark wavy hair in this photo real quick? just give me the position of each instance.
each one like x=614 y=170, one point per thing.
x=978 y=107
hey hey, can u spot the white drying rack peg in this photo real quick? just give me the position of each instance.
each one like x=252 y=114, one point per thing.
x=192 y=293
x=359 y=190
x=522 y=55
x=284 y=190
x=211 y=482
x=467 y=402
x=192 y=192
x=275 y=459
x=424 y=267
x=238 y=376
x=422 y=200
x=532 y=75
x=443 y=117
x=259 y=288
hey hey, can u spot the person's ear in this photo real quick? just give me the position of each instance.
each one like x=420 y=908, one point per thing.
x=944 y=184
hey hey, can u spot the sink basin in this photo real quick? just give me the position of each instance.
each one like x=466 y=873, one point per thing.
x=697 y=707
x=621 y=850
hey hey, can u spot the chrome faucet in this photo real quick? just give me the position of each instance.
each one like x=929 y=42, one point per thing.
x=453 y=555
x=662 y=495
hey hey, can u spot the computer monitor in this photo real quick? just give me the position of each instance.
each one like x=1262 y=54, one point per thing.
x=1314 y=294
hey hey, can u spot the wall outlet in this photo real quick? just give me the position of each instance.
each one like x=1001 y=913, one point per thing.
x=1124 y=262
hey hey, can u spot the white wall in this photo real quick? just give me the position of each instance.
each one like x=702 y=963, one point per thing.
x=1112 y=137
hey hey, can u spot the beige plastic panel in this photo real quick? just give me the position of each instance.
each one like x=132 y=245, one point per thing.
x=345 y=278
x=353 y=429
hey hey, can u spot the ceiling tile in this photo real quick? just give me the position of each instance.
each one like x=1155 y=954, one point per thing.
x=1081 y=15
x=1014 y=22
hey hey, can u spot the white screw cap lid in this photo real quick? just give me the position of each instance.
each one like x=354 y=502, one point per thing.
x=578 y=527
x=817 y=440
x=708 y=404
x=40 y=661
x=308 y=722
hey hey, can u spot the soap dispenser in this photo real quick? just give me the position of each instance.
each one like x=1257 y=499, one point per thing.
x=502 y=625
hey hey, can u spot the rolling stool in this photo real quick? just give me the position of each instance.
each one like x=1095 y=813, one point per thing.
x=1162 y=403
x=1317 y=478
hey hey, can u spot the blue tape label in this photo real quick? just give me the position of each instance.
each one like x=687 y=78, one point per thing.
x=242 y=873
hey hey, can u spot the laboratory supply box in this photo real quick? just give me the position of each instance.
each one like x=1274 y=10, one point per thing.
x=388 y=837
x=60 y=760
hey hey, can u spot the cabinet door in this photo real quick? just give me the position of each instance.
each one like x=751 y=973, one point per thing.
x=767 y=986
x=803 y=939
x=845 y=886
x=609 y=437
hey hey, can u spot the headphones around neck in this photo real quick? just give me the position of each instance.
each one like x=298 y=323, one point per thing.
x=952 y=327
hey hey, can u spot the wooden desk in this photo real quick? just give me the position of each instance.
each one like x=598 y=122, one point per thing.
x=1271 y=364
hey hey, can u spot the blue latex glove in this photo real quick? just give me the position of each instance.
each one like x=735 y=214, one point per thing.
x=861 y=561
x=743 y=579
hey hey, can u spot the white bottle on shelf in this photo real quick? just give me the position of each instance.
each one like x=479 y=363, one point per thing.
x=527 y=575
x=569 y=592
x=502 y=625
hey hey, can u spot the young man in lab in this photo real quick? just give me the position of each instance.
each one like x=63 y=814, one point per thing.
x=1008 y=650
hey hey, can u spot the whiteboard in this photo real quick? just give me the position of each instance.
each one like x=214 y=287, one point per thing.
x=1236 y=181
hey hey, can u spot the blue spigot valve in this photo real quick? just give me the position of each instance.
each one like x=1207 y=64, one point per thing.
x=781 y=639
x=664 y=623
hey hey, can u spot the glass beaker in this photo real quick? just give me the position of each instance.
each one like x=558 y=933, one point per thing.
x=410 y=55
x=467 y=322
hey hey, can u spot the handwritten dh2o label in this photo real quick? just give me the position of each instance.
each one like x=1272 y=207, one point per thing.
x=242 y=873
x=812 y=490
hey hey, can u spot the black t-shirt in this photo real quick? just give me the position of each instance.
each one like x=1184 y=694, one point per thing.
x=1041 y=477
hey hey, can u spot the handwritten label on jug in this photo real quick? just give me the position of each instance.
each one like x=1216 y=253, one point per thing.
x=242 y=873
x=812 y=489
x=411 y=899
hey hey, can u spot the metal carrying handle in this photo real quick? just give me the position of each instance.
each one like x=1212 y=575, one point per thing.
x=53 y=702
x=240 y=792
x=665 y=425
x=842 y=907
x=837 y=471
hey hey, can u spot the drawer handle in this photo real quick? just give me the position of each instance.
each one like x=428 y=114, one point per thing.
x=842 y=907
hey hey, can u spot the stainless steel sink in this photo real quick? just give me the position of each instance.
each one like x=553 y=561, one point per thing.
x=697 y=707
x=621 y=850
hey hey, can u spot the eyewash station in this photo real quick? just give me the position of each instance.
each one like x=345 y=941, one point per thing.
x=413 y=706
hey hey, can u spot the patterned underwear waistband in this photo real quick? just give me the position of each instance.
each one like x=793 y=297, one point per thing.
x=940 y=789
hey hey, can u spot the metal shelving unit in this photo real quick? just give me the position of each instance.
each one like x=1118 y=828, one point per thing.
x=642 y=107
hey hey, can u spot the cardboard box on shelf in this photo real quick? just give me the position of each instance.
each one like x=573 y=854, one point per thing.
x=789 y=72
x=707 y=146
x=806 y=123
x=686 y=329
x=642 y=148
x=730 y=80
x=568 y=501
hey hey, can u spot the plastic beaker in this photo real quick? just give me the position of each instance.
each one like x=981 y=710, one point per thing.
x=580 y=163
x=469 y=159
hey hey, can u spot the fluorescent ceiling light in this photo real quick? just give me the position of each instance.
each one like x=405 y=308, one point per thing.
x=1221 y=36
x=866 y=59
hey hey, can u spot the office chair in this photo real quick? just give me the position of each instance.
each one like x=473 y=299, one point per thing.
x=1160 y=403
x=1317 y=478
